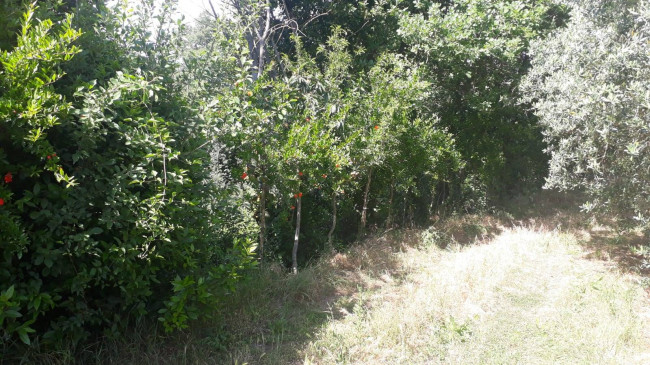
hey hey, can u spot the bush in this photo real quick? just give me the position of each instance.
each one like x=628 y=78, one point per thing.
x=131 y=235
x=431 y=236
x=589 y=86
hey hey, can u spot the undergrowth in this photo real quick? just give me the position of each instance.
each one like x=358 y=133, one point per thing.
x=482 y=289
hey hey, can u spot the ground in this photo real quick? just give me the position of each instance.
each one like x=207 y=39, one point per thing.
x=545 y=286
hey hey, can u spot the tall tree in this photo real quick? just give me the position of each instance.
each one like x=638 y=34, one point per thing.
x=589 y=87
x=476 y=54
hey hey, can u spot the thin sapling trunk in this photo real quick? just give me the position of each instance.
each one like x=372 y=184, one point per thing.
x=294 y=253
x=330 y=234
x=364 y=215
x=262 y=212
x=389 y=219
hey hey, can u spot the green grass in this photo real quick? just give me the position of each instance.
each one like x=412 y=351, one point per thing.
x=520 y=295
x=525 y=297
x=495 y=290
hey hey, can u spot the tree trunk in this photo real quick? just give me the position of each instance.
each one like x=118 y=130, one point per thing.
x=252 y=50
x=364 y=215
x=404 y=211
x=262 y=213
x=389 y=219
x=330 y=244
x=257 y=34
x=294 y=253
x=261 y=58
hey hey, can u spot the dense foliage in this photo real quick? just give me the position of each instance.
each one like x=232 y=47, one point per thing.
x=476 y=51
x=147 y=164
x=590 y=87
x=107 y=212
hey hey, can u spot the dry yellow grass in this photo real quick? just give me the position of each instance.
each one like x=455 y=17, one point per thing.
x=519 y=294
x=472 y=290
x=527 y=297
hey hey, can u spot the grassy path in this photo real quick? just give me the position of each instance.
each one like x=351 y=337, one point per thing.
x=523 y=296
x=511 y=294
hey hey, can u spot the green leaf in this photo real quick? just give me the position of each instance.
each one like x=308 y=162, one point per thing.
x=12 y=314
x=95 y=230
x=22 y=333
x=9 y=292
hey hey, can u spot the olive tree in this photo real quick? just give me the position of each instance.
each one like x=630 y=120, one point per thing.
x=589 y=85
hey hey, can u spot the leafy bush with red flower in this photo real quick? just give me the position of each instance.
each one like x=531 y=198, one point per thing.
x=134 y=234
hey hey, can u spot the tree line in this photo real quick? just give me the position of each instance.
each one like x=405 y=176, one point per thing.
x=149 y=163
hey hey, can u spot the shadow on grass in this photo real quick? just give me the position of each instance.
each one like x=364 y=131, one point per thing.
x=470 y=229
x=547 y=209
x=274 y=315
x=628 y=252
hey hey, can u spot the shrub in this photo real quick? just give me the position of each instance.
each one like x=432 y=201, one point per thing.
x=589 y=86
x=134 y=233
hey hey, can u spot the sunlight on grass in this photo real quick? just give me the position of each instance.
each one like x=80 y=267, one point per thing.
x=519 y=295
x=524 y=298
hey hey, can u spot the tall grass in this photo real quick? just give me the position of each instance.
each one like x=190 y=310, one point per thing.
x=525 y=297
x=497 y=289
